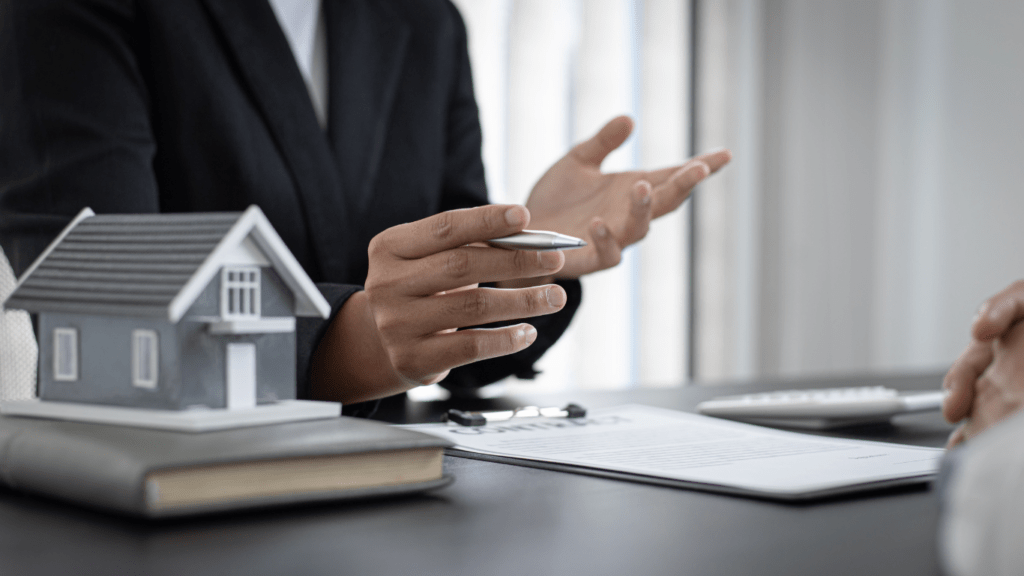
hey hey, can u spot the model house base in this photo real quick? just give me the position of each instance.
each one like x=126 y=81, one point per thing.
x=191 y=420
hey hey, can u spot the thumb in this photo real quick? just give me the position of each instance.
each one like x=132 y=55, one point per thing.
x=610 y=137
x=999 y=313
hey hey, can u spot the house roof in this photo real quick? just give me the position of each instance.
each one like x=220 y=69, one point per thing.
x=152 y=265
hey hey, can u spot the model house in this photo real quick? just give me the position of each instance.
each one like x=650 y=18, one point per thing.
x=168 y=311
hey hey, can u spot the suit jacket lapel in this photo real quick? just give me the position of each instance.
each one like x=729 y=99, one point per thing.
x=268 y=66
x=366 y=44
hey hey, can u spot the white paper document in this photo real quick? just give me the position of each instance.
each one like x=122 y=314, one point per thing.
x=659 y=445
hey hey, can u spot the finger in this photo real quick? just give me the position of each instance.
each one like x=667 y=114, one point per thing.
x=483 y=306
x=962 y=378
x=638 y=223
x=473 y=265
x=958 y=437
x=1000 y=312
x=610 y=137
x=606 y=253
x=671 y=194
x=449 y=230
x=715 y=160
x=439 y=353
x=1010 y=340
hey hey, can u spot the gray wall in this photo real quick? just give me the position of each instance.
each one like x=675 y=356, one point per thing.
x=105 y=362
x=820 y=142
x=204 y=369
x=875 y=199
x=192 y=361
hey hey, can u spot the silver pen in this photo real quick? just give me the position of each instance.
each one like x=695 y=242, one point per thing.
x=538 y=240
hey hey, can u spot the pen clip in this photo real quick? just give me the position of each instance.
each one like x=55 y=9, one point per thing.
x=465 y=418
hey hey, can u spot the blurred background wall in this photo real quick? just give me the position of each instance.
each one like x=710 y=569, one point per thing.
x=873 y=203
x=875 y=200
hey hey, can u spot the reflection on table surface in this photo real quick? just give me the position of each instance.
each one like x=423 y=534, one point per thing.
x=500 y=519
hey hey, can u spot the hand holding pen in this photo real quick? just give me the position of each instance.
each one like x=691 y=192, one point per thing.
x=422 y=287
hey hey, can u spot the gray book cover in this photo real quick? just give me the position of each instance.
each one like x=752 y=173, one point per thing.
x=159 y=473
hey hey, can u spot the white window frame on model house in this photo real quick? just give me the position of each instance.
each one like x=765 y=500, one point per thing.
x=240 y=292
x=145 y=359
x=65 y=354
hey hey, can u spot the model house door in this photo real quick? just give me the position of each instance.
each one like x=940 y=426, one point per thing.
x=241 y=362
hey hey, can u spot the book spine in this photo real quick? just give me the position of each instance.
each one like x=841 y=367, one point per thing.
x=70 y=469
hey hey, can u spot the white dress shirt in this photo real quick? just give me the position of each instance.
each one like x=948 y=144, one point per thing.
x=303 y=25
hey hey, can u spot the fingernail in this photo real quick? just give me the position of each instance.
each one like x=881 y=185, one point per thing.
x=645 y=195
x=529 y=335
x=704 y=169
x=515 y=216
x=555 y=297
x=601 y=230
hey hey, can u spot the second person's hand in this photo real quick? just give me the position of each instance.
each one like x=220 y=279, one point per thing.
x=984 y=384
x=997 y=392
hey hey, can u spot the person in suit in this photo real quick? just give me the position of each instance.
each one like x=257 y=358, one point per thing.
x=371 y=172
x=982 y=481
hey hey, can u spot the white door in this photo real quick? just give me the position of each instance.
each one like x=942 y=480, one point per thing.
x=241 y=376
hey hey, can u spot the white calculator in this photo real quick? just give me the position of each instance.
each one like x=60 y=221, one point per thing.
x=825 y=408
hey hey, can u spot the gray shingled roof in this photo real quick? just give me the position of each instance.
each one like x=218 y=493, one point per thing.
x=128 y=265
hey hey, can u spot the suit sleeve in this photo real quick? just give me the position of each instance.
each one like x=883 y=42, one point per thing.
x=74 y=120
x=308 y=334
x=464 y=186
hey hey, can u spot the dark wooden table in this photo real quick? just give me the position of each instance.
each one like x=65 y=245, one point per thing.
x=500 y=519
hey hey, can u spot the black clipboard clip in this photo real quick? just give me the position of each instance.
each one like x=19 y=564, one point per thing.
x=482 y=418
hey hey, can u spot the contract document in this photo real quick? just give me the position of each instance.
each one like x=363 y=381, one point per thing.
x=669 y=447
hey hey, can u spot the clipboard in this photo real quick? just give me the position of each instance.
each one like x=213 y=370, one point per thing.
x=682 y=450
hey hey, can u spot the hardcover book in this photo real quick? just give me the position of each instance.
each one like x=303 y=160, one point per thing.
x=161 y=473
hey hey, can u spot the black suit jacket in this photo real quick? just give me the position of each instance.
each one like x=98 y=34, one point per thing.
x=198 y=105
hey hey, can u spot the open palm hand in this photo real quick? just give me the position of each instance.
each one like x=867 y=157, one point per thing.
x=610 y=210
